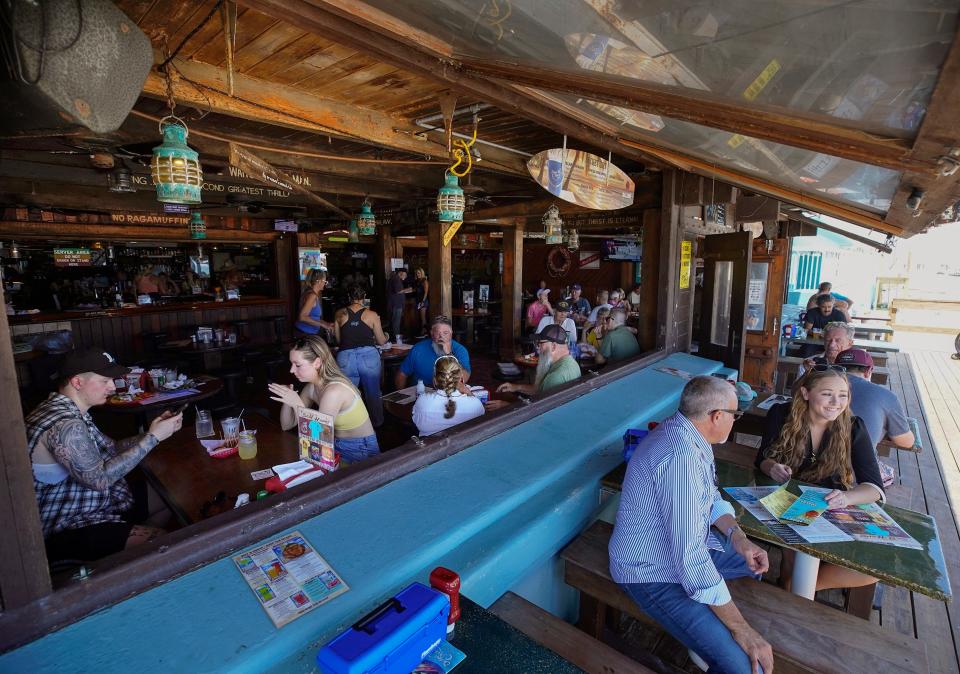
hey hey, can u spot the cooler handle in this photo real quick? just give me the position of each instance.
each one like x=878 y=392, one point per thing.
x=364 y=624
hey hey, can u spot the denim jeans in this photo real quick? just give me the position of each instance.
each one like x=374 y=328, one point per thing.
x=363 y=367
x=693 y=624
x=396 y=322
x=356 y=449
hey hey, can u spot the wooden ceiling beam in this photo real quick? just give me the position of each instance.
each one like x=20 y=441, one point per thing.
x=779 y=125
x=205 y=86
x=364 y=28
x=938 y=136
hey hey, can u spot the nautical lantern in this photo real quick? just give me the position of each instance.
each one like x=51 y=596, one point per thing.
x=198 y=228
x=175 y=167
x=553 y=225
x=573 y=240
x=367 y=221
x=354 y=231
x=120 y=180
x=450 y=200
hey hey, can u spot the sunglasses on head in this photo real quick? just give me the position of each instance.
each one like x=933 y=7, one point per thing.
x=825 y=367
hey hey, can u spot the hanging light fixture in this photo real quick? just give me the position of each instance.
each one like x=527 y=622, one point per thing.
x=354 y=231
x=198 y=228
x=450 y=200
x=553 y=225
x=175 y=167
x=120 y=180
x=573 y=240
x=367 y=221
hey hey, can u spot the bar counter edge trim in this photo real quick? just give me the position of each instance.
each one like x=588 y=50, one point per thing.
x=137 y=571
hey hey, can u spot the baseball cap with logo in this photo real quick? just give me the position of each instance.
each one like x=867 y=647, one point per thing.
x=562 y=305
x=552 y=333
x=576 y=286
x=91 y=360
x=855 y=357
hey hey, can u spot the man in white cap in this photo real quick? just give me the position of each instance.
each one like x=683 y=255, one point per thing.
x=539 y=308
x=78 y=472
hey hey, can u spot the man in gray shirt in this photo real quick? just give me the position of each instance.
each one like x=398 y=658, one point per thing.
x=876 y=405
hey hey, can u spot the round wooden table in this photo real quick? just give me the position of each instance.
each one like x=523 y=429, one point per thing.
x=206 y=386
x=211 y=354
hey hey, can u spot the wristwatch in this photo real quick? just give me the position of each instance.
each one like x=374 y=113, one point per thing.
x=730 y=530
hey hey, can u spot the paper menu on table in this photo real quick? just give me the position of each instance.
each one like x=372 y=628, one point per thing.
x=773 y=400
x=778 y=501
x=289 y=577
x=315 y=431
x=868 y=523
x=820 y=531
x=806 y=508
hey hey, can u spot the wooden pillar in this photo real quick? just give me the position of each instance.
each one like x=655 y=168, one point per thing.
x=440 y=270
x=512 y=322
x=668 y=278
x=386 y=249
x=649 y=278
x=23 y=560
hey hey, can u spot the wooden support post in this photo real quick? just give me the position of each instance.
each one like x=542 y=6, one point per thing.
x=650 y=278
x=512 y=290
x=667 y=280
x=384 y=252
x=440 y=270
x=24 y=575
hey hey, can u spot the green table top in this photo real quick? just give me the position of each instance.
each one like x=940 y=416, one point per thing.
x=923 y=571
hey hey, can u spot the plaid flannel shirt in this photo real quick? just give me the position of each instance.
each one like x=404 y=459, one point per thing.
x=68 y=504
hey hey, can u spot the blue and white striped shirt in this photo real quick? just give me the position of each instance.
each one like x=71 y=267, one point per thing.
x=669 y=502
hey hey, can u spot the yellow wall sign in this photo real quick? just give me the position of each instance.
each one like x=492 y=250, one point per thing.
x=451 y=230
x=686 y=256
x=763 y=79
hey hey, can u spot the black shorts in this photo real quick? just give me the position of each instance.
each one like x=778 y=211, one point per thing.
x=88 y=543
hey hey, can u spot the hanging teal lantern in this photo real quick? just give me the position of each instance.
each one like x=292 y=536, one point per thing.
x=450 y=200
x=367 y=221
x=175 y=167
x=198 y=228
x=354 y=232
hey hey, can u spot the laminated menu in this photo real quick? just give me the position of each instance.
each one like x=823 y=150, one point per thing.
x=289 y=577
x=316 y=437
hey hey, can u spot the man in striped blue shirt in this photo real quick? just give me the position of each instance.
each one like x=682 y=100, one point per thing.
x=676 y=539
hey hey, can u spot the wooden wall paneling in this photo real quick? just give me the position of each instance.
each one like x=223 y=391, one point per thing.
x=23 y=560
x=512 y=290
x=606 y=277
x=650 y=280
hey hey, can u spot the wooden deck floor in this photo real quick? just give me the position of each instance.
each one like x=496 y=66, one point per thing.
x=928 y=384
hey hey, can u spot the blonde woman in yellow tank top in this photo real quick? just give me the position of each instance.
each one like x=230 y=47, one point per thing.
x=328 y=390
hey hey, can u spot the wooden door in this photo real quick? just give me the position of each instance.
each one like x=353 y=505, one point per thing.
x=767 y=278
x=726 y=261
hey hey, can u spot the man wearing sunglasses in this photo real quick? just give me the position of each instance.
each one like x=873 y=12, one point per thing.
x=676 y=541
x=555 y=366
x=837 y=337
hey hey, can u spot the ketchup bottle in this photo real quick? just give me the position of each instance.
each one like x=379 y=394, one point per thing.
x=446 y=581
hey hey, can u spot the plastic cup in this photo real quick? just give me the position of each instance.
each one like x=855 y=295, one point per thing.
x=231 y=431
x=204 y=424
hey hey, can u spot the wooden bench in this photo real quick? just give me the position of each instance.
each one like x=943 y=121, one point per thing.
x=806 y=636
x=571 y=644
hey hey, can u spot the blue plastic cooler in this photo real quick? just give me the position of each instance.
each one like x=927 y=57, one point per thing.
x=391 y=639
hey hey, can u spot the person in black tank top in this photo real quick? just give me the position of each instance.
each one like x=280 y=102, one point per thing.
x=359 y=332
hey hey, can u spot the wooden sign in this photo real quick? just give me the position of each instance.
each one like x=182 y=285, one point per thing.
x=71 y=257
x=261 y=170
x=149 y=219
x=582 y=178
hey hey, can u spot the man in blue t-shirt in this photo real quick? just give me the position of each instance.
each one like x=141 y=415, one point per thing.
x=419 y=362
x=877 y=405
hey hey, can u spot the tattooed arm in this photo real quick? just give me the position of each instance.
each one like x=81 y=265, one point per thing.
x=75 y=450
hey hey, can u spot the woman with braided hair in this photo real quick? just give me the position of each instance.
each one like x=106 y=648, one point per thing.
x=815 y=439
x=451 y=402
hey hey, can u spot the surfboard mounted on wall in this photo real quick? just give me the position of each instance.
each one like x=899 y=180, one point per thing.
x=582 y=178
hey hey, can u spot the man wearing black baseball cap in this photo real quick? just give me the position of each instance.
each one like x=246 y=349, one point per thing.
x=78 y=471
x=555 y=366
x=561 y=317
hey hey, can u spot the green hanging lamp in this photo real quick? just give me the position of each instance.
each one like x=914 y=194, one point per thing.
x=354 y=231
x=175 y=167
x=450 y=200
x=367 y=221
x=198 y=228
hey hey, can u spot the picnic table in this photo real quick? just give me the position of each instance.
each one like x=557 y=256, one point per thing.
x=865 y=344
x=923 y=571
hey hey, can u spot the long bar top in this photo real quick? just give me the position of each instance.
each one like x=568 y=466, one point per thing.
x=497 y=512
x=112 y=312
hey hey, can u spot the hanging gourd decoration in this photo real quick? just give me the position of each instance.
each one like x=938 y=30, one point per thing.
x=553 y=225
x=175 y=167
x=573 y=240
x=198 y=228
x=450 y=200
x=367 y=221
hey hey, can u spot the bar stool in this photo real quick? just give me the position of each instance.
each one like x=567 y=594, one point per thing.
x=279 y=328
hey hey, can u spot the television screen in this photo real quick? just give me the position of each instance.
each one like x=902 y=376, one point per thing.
x=622 y=249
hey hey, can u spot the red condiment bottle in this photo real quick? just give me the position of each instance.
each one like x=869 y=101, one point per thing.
x=447 y=581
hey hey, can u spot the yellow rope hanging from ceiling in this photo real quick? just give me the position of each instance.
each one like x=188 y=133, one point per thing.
x=463 y=150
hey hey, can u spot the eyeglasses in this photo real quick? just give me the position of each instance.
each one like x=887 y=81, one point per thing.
x=825 y=367
x=736 y=414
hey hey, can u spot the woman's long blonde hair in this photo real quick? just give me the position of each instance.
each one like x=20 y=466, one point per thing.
x=834 y=459
x=312 y=347
x=446 y=375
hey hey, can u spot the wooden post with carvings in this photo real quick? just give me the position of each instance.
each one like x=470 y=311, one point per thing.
x=512 y=322
x=384 y=252
x=23 y=560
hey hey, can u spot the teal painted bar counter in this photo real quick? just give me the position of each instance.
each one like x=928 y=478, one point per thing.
x=497 y=512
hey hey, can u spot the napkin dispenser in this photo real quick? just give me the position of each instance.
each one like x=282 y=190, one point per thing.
x=391 y=639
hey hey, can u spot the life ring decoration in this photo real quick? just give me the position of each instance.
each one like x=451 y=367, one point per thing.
x=559 y=261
